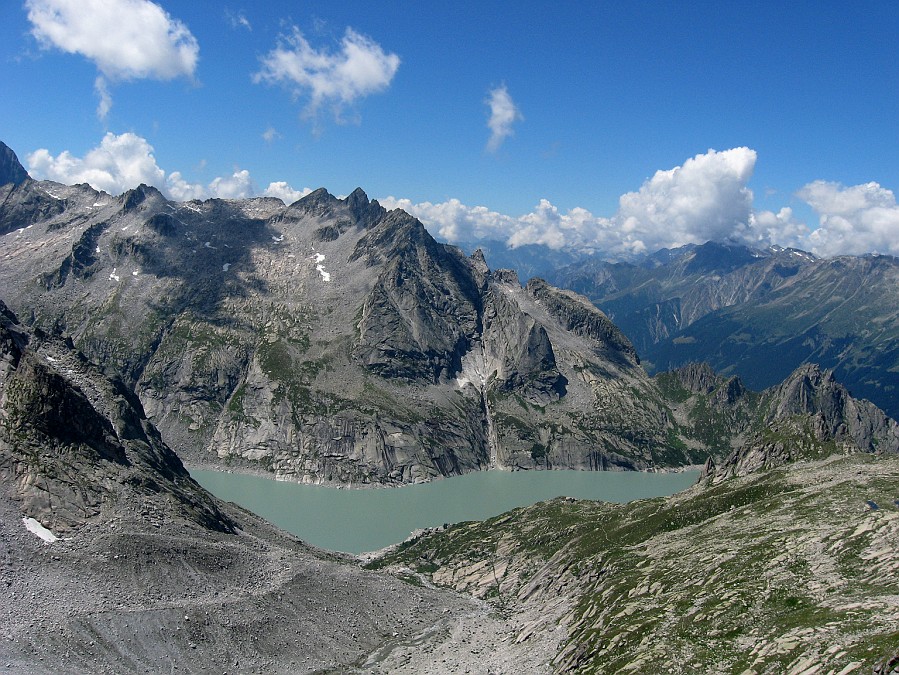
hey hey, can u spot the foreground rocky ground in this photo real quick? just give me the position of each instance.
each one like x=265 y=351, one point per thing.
x=125 y=596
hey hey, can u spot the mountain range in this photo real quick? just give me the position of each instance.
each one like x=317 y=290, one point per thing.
x=758 y=314
x=332 y=341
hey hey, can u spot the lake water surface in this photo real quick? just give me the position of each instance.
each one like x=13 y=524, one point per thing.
x=366 y=520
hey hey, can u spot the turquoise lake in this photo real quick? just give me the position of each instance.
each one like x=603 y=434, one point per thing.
x=356 y=521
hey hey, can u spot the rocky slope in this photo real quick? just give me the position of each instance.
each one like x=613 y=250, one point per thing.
x=113 y=560
x=758 y=314
x=791 y=570
x=809 y=415
x=777 y=561
x=329 y=340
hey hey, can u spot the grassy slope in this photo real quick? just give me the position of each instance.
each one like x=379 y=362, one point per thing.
x=776 y=572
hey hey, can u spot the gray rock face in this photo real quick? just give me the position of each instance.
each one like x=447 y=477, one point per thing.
x=11 y=171
x=75 y=446
x=328 y=340
x=807 y=416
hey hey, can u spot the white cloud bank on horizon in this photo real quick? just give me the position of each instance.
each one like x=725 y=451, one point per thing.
x=337 y=79
x=858 y=219
x=503 y=114
x=706 y=198
x=122 y=162
x=125 y=39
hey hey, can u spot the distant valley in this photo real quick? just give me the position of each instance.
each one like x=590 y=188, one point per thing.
x=755 y=313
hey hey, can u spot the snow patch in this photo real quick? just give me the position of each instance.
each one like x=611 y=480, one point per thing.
x=319 y=259
x=225 y=267
x=278 y=239
x=208 y=244
x=134 y=273
x=51 y=359
x=36 y=528
x=113 y=276
x=97 y=249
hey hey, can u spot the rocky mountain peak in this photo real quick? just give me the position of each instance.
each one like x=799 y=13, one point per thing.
x=135 y=198
x=811 y=415
x=365 y=212
x=11 y=170
x=578 y=315
x=698 y=378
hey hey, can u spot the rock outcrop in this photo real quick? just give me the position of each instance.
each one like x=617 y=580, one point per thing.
x=76 y=447
x=810 y=415
x=11 y=170
x=329 y=340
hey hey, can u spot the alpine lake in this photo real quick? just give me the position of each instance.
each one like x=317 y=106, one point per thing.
x=360 y=520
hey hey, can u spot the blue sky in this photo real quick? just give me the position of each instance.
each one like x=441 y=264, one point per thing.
x=604 y=114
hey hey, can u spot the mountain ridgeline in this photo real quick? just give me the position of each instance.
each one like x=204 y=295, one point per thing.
x=329 y=340
x=755 y=313
x=333 y=341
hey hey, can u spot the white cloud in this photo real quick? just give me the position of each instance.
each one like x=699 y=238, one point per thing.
x=503 y=114
x=270 y=134
x=181 y=190
x=125 y=39
x=238 y=20
x=119 y=163
x=105 y=97
x=704 y=199
x=284 y=192
x=337 y=79
x=236 y=186
x=456 y=222
x=781 y=228
x=853 y=220
x=122 y=162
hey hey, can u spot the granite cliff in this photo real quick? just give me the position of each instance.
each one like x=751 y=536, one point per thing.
x=328 y=340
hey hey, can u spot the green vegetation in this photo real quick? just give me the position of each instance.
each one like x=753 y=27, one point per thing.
x=752 y=573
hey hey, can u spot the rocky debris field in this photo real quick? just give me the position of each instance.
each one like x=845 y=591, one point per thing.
x=126 y=596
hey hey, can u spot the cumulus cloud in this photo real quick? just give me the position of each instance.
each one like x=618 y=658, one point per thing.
x=125 y=39
x=853 y=220
x=359 y=67
x=704 y=199
x=122 y=162
x=181 y=190
x=284 y=192
x=503 y=114
x=236 y=186
x=119 y=163
x=781 y=229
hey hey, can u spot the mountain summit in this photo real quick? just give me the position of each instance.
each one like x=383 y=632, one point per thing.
x=329 y=340
x=11 y=170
